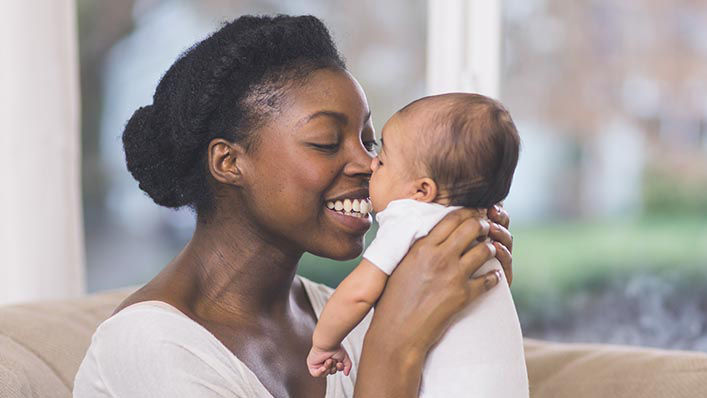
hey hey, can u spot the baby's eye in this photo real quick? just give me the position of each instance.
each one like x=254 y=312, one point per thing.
x=371 y=145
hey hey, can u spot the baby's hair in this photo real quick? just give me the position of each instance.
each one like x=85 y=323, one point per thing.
x=474 y=143
x=225 y=86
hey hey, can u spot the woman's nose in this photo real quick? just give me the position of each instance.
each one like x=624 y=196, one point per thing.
x=359 y=164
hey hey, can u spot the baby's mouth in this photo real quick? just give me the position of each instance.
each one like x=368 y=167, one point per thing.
x=351 y=207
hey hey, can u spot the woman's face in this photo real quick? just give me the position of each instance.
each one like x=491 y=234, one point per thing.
x=315 y=151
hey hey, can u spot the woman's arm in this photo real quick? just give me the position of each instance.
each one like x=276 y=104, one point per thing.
x=427 y=289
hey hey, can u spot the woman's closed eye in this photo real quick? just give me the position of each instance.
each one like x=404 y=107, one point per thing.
x=371 y=146
x=326 y=147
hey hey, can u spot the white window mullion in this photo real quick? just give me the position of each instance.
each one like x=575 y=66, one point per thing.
x=463 y=46
x=41 y=227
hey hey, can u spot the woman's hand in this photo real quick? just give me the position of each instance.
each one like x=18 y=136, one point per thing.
x=433 y=282
x=502 y=238
x=430 y=286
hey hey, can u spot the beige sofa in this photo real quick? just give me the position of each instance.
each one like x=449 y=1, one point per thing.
x=42 y=344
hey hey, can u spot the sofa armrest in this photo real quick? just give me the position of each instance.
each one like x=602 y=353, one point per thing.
x=558 y=370
x=42 y=344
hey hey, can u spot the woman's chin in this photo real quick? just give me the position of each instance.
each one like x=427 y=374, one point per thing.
x=341 y=252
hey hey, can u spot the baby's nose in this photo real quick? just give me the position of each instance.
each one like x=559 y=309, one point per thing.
x=374 y=163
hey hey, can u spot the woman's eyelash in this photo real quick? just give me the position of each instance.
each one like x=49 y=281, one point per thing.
x=371 y=145
x=329 y=147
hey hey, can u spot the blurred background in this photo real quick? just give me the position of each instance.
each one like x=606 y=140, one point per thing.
x=609 y=202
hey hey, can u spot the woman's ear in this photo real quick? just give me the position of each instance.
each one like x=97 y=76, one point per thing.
x=425 y=189
x=225 y=161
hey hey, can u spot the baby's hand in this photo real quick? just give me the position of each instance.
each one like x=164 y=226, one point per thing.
x=322 y=362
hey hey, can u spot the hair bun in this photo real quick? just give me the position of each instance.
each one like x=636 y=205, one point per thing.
x=148 y=153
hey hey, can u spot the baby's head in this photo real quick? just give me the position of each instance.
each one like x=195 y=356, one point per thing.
x=455 y=149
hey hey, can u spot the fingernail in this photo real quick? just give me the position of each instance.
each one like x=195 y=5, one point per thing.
x=492 y=248
x=485 y=225
x=490 y=280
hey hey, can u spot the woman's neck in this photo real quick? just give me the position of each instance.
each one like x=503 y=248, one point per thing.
x=238 y=271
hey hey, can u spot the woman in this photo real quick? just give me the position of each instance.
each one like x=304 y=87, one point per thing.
x=256 y=128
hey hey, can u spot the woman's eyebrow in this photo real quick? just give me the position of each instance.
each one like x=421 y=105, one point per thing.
x=338 y=116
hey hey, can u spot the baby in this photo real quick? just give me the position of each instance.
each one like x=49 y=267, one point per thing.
x=438 y=154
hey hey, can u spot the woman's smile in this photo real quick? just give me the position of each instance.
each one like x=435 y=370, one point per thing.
x=355 y=224
x=350 y=210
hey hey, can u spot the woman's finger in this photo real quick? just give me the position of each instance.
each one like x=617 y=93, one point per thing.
x=483 y=283
x=499 y=233
x=499 y=215
x=476 y=257
x=467 y=233
x=506 y=259
x=449 y=223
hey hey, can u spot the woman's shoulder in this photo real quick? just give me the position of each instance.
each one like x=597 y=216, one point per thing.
x=148 y=345
x=148 y=328
x=151 y=317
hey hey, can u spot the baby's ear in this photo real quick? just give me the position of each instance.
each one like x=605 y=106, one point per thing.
x=425 y=190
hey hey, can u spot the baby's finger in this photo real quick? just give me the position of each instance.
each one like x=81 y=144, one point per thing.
x=347 y=366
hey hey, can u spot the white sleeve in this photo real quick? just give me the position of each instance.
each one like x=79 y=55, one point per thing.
x=155 y=354
x=392 y=242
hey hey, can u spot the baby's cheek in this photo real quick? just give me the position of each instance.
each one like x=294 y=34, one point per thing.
x=378 y=200
x=374 y=192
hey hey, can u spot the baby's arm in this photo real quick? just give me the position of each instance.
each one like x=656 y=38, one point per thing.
x=347 y=306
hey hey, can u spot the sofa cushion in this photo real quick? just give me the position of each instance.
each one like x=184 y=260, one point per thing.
x=18 y=370
x=42 y=345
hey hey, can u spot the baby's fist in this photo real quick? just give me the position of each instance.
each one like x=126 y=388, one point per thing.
x=322 y=362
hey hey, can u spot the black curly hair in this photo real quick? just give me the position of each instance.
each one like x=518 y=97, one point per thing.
x=223 y=87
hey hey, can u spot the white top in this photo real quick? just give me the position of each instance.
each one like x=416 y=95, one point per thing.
x=400 y=224
x=151 y=349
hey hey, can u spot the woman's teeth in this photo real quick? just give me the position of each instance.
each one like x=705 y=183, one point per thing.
x=351 y=207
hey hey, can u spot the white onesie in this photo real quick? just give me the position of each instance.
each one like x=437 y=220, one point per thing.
x=481 y=354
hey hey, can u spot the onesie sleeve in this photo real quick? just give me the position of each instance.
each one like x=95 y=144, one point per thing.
x=155 y=354
x=397 y=231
